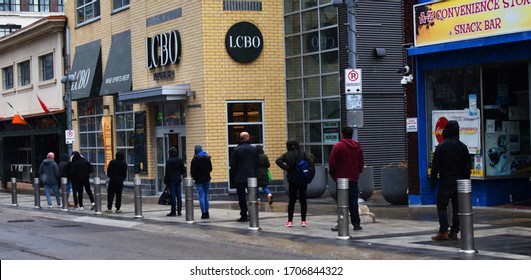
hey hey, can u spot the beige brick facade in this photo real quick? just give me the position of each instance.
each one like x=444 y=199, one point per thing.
x=205 y=64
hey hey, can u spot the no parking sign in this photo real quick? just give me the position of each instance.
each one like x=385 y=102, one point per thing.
x=69 y=137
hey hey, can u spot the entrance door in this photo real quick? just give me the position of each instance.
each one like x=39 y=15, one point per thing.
x=167 y=138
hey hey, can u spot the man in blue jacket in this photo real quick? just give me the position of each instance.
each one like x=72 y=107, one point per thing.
x=244 y=164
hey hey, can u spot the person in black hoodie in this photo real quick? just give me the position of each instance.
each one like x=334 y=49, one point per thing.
x=79 y=172
x=172 y=178
x=451 y=162
x=288 y=162
x=200 y=169
x=63 y=169
x=116 y=171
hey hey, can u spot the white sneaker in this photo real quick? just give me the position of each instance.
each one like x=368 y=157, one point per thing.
x=80 y=208
x=50 y=206
x=59 y=205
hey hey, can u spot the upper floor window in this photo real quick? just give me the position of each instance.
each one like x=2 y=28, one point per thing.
x=39 y=5
x=46 y=65
x=60 y=6
x=8 y=28
x=87 y=10
x=117 y=4
x=10 y=5
x=7 y=77
x=24 y=73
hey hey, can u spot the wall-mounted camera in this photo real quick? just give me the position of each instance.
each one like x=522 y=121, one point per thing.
x=406 y=80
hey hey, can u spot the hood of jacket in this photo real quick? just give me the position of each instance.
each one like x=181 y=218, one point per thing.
x=351 y=143
x=47 y=161
x=451 y=130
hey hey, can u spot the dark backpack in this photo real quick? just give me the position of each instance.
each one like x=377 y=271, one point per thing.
x=304 y=173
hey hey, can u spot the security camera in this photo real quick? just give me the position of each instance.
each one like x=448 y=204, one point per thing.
x=404 y=70
x=406 y=80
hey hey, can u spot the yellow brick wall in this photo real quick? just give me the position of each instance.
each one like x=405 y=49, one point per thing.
x=205 y=65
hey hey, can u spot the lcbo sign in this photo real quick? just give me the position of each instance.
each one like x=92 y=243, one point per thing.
x=163 y=48
x=244 y=42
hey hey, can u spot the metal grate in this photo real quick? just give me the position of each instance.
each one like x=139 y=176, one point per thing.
x=242 y=6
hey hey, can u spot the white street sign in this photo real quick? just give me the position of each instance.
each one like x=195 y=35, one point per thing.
x=69 y=137
x=352 y=81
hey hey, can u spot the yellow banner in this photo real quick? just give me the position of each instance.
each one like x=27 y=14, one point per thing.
x=106 y=130
x=456 y=20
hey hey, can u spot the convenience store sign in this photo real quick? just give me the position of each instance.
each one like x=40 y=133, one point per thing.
x=456 y=20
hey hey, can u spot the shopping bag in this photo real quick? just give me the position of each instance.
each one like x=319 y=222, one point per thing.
x=164 y=198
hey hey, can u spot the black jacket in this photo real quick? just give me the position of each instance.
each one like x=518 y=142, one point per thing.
x=80 y=169
x=263 y=165
x=451 y=160
x=174 y=170
x=65 y=160
x=244 y=162
x=117 y=169
x=200 y=168
x=289 y=159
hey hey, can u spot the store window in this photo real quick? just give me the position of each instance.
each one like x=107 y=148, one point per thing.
x=87 y=10
x=125 y=135
x=46 y=65
x=24 y=77
x=7 y=77
x=491 y=104
x=170 y=114
x=91 y=146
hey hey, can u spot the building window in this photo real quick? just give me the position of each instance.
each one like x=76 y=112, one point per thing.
x=170 y=114
x=125 y=135
x=7 y=77
x=312 y=75
x=87 y=10
x=39 y=5
x=24 y=73
x=8 y=28
x=46 y=64
x=91 y=146
x=118 y=4
x=10 y=5
x=60 y=6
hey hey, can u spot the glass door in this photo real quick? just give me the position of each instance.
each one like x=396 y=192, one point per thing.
x=166 y=139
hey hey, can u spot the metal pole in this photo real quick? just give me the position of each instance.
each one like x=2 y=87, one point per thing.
x=138 y=197
x=189 y=199
x=252 y=197
x=464 y=192
x=97 y=195
x=342 y=209
x=14 y=191
x=68 y=84
x=37 y=193
x=64 y=192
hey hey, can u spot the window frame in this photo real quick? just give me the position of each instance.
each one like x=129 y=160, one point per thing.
x=8 y=82
x=24 y=72
x=44 y=69
x=81 y=9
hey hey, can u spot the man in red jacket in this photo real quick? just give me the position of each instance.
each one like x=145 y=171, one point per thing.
x=346 y=161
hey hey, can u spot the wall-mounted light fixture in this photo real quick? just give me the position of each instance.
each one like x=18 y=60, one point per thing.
x=379 y=52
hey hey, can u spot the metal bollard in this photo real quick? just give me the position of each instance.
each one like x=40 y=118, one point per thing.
x=37 y=193
x=342 y=209
x=97 y=195
x=138 y=197
x=252 y=194
x=189 y=199
x=64 y=193
x=14 y=191
x=464 y=192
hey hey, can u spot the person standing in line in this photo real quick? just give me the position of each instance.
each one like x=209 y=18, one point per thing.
x=244 y=165
x=200 y=169
x=50 y=177
x=262 y=176
x=451 y=162
x=288 y=162
x=79 y=171
x=116 y=171
x=172 y=178
x=63 y=169
x=346 y=161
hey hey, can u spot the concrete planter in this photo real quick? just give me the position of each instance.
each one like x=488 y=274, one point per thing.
x=394 y=185
x=365 y=184
x=318 y=185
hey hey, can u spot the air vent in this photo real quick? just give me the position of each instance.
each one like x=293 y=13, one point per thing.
x=242 y=6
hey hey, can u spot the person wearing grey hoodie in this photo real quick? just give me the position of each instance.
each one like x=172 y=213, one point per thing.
x=50 y=178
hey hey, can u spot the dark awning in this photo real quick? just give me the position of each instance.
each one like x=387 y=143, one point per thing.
x=158 y=94
x=87 y=70
x=118 y=76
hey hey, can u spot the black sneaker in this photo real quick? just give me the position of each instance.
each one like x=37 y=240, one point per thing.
x=242 y=220
x=207 y=215
x=171 y=214
x=179 y=213
x=357 y=227
x=334 y=228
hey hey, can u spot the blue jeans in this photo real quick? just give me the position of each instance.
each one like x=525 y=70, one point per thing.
x=353 y=194
x=175 y=191
x=202 y=193
x=266 y=190
x=55 y=192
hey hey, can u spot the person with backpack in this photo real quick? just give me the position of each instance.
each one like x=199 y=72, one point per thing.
x=346 y=161
x=301 y=169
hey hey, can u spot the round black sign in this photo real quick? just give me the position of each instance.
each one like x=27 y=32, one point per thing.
x=244 y=42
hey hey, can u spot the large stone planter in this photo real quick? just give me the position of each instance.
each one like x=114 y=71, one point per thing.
x=318 y=185
x=394 y=185
x=365 y=184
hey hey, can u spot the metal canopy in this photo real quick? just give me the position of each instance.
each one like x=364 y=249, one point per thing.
x=158 y=94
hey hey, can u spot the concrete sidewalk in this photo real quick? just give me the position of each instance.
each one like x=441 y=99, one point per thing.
x=500 y=233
